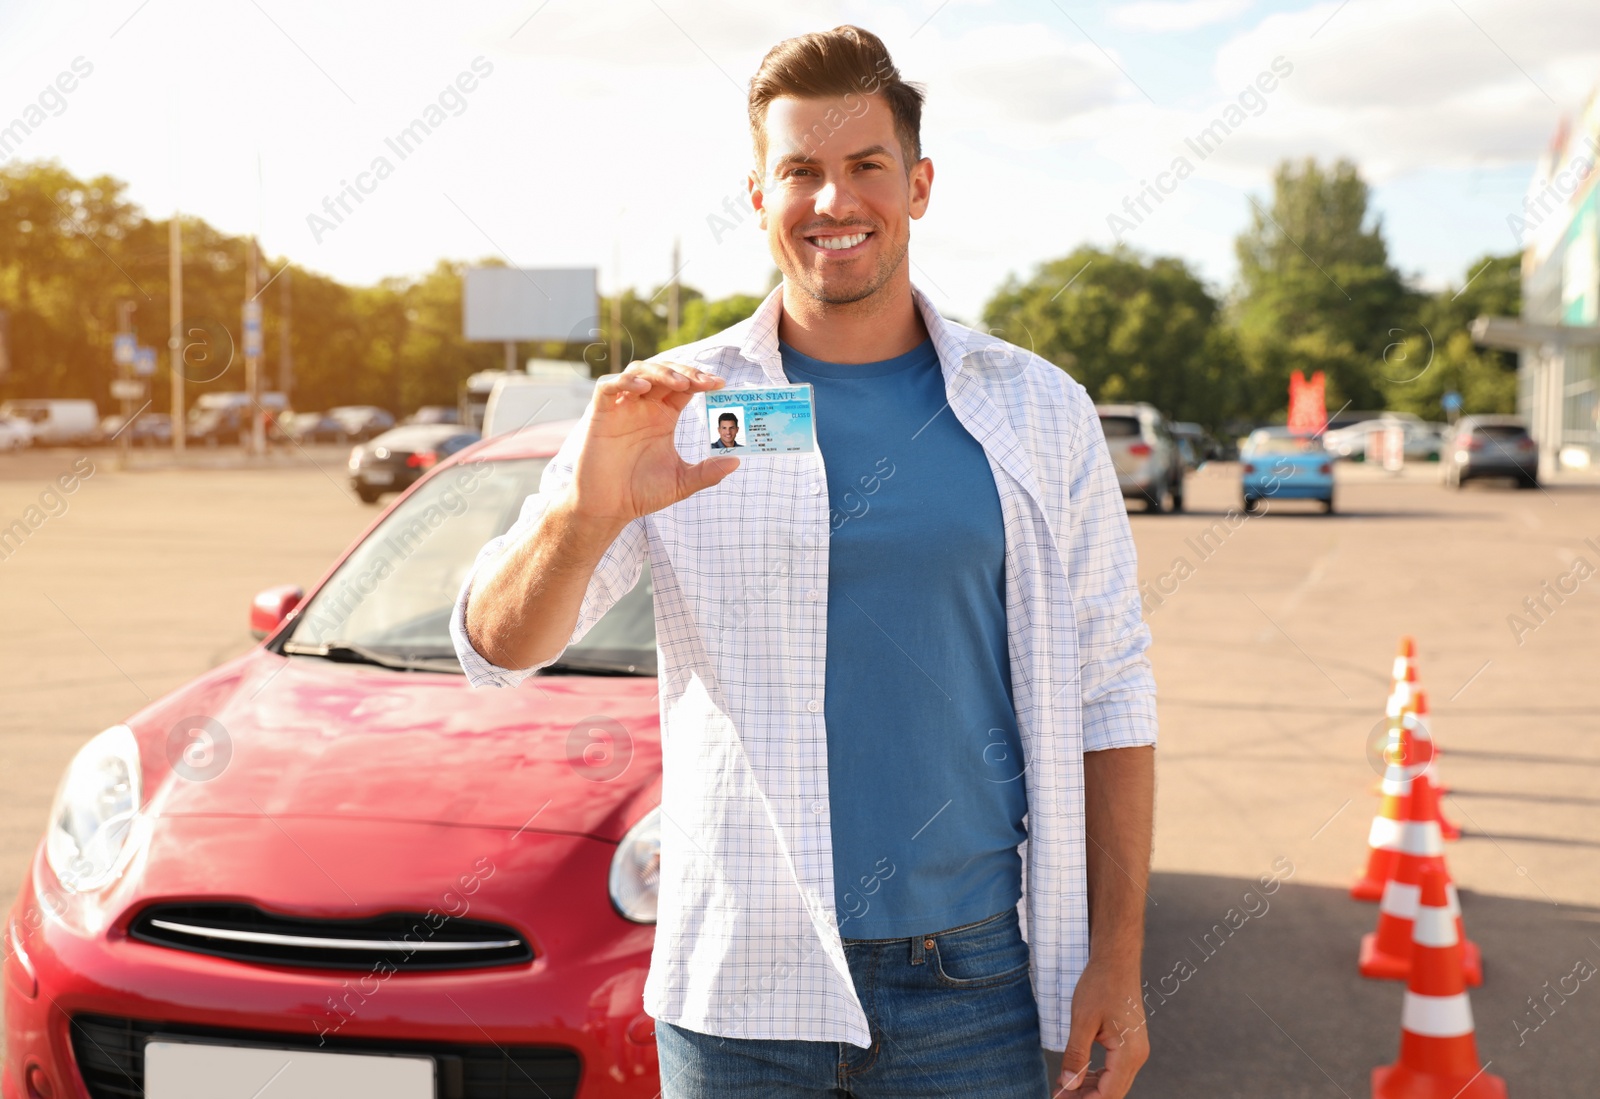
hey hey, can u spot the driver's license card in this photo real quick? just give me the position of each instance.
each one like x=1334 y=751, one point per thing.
x=772 y=419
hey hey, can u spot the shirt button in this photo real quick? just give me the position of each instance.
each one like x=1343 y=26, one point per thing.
x=813 y=595
x=815 y=705
x=817 y=806
x=817 y=488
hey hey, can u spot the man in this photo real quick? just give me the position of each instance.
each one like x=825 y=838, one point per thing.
x=908 y=722
x=727 y=432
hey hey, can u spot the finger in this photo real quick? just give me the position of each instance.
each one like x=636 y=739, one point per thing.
x=707 y=473
x=666 y=376
x=1080 y=1041
x=612 y=386
x=698 y=379
x=1088 y=1087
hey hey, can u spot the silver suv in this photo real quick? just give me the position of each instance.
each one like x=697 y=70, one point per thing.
x=1148 y=462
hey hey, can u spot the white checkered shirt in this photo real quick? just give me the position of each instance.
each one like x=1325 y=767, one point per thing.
x=747 y=939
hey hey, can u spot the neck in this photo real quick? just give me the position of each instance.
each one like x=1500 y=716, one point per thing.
x=880 y=326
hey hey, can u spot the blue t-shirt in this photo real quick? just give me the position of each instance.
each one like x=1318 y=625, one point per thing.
x=925 y=779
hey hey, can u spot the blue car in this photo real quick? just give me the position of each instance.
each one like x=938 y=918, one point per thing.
x=1278 y=464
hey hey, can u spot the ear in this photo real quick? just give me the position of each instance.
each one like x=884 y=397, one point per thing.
x=757 y=196
x=921 y=184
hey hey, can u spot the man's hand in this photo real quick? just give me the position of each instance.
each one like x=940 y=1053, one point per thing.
x=628 y=465
x=1106 y=1008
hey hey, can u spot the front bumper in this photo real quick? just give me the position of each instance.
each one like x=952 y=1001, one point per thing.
x=582 y=993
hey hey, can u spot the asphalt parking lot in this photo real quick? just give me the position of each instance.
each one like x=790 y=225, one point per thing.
x=1274 y=636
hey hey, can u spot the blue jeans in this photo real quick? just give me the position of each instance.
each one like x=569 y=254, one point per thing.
x=950 y=1013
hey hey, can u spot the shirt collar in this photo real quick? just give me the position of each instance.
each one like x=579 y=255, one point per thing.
x=960 y=349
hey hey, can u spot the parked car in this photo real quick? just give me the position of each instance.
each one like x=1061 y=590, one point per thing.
x=1279 y=464
x=331 y=844
x=518 y=401
x=216 y=426
x=1421 y=440
x=1196 y=444
x=396 y=459
x=15 y=433
x=1490 y=446
x=362 y=422
x=148 y=429
x=224 y=417
x=307 y=428
x=435 y=414
x=55 y=422
x=1148 y=463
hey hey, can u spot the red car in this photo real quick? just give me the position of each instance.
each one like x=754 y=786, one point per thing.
x=330 y=868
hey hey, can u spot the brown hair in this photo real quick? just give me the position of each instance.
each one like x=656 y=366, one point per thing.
x=846 y=61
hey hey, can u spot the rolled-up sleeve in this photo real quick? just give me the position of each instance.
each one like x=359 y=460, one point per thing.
x=1118 y=688
x=615 y=575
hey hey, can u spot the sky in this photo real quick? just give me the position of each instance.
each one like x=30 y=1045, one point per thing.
x=599 y=132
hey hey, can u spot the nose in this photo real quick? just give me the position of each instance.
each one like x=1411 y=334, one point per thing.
x=835 y=199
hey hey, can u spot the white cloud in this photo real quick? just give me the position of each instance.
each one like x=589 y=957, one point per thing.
x=1412 y=84
x=1176 y=15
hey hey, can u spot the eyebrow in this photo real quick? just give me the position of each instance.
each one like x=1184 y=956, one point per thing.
x=801 y=158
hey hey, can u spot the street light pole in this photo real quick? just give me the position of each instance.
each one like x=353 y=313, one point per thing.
x=125 y=309
x=175 y=332
x=252 y=355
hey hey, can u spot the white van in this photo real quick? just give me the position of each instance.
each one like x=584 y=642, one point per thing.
x=548 y=392
x=56 y=422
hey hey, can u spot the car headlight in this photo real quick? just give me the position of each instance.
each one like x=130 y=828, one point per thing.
x=96 y=807
x=636 y=870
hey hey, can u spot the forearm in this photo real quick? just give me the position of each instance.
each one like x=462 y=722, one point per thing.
x=524 y=607
x=1119 y=806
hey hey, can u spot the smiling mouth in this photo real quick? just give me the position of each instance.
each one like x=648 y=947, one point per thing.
x=840 y=242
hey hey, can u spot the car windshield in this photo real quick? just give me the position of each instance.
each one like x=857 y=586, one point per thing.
x=1285 y=444
x=1508 y=432
x=391 y=600
x=1120 y=427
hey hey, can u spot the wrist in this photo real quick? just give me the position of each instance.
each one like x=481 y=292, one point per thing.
x=1116 y=953
x=582 y=527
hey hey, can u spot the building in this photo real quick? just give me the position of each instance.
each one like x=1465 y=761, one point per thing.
x=1559 y=370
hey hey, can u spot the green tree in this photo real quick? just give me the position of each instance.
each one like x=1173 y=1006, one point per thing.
x=702 y=318
x=1439 y=356
x=1127 y=328
x=1316 y=290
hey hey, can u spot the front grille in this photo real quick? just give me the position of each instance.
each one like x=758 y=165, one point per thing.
x=405 y=941
x=110 y=1055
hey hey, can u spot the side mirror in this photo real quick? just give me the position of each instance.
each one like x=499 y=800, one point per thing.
x=271 y=607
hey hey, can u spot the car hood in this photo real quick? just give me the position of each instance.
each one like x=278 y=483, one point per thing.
x=302 y=736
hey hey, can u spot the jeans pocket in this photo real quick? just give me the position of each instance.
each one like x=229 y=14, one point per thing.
x=986 y=957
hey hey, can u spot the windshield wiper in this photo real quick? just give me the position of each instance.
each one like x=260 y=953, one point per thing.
x=344 y=652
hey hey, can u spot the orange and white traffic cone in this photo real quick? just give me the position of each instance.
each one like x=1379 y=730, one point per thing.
x=1429 y=752
x=1405 y=658
x=1425 y=803
x=1438 y=1047
x=1383 y=838
x=1386 y=953
x=1403 y=692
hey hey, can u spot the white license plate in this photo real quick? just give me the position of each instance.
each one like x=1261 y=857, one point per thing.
x=197 y=1070
x=377 y=476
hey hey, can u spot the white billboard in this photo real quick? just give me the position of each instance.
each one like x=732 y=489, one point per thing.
x=532 y=303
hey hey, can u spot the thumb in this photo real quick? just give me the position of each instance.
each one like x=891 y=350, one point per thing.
x=707 y=473
x=1075 y=1059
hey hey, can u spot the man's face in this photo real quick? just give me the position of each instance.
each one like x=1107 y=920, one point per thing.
x=835 y=196
x=729 y=430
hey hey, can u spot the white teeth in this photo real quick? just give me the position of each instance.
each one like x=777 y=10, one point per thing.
x=832 y=243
